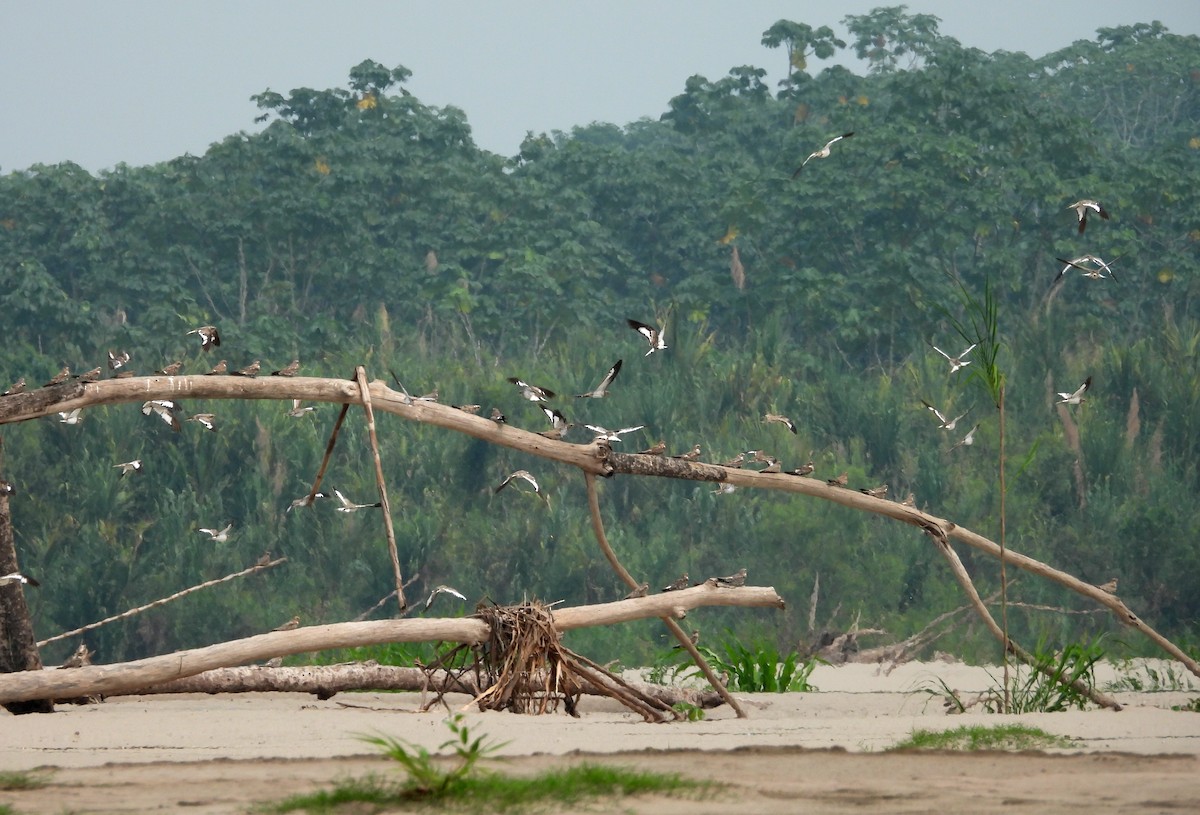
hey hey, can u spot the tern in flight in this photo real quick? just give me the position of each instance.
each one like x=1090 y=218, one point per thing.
x=349 y=506
x=956 y=363
x=823 y=152
x=219 y=536
x=943 y=422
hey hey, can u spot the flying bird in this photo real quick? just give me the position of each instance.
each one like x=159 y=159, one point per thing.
x=443 y=590
x=656 y=337
x=1095 y=272
x=117 y=359
x=61 y=377
x=773 y=465
x=17 y=577
x=724 y=488
x=558 y=423
x=783 y=420
x=15 y=388
x=1081 y=208
x=205 y=420
x=165 y=409
x=306 y=500
x=209 y=336
x=601 y=390
x=1076 y=397
x=250 y=370
x=943 y=422
x=532 y=392
x=71 y=416
x=128 y=467
x=956 y=362
x=297 y=411
x=349 y=506
x=966 y=440
x=823 y=152
x=219 y=536
x=290 y=370
x=610 y=435
x=522 y=474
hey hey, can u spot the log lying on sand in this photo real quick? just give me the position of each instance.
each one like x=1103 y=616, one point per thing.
x=104 y=680
x=324 y=681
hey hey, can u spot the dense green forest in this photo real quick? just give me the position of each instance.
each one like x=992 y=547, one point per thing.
x=362 y=226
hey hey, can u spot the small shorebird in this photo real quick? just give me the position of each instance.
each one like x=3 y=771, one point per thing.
x=956 y=362
x=682 y=583
x=497 y=416
x=773 y=465
x=290 y=625
x=656 y=337
x=61 y=377
x=117 y=359
x=250 y=370
x=71 y=416
x=783 y=420
x=89 y=376
x=263 y=559
x=943 y=422
x=966 y=440
x=218 y=369
x=641 y=591
x=17 y=577
x=349 y=506
x=209 y=336
x=610 y=435
x=875 y=492
x=15 y=388
x=690 y=455
x=1076 y=397
x=532 y=392
x=306 y=500
x=840 y=481
x=1081 y=208
x=443 y=589
x=823 y=152
x=656 y=449
x=205 y=420
x=734 y=580
x=218 y=536
x=910 y=501
x=165 y=409
x=290 y=370
x=297 y=411
x=601 y=390
x=128 y=467
x=525 y=475
x=170 y=370
x=81 y=657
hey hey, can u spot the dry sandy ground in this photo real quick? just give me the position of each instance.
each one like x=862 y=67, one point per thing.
x=819 y=752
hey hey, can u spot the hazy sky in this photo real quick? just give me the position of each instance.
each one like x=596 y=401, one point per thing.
x=100 y=83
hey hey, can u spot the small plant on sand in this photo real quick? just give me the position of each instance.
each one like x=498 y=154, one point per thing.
x=425 y=777
x=979 y=737
x=759 y=668
x=1143 y=677
x=17 y=780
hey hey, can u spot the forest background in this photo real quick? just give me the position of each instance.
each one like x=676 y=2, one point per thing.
x=362 y=226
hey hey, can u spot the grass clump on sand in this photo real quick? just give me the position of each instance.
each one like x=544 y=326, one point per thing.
x=458 y=785
x=12 y=781
x=969 y=738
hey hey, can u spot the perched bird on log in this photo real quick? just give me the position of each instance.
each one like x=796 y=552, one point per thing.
x=656 y=449
x=1082 y=207
x=734 y=580
x=641 y=591
x=601 y=390
x=778 y=419
x=205 y=420
x=805 y=469
x=61 y=377
x=290 y=625
x=840 y=481
x=209 y=336
x=15 y=388
x=472 y=409
x=90 y=376
x=497 y=416
x=218 y=536
x=823 y=152
x=170 y=370
x=910 y=501
x=690 y=455
x=349 y=506
x=773 y=465
x=290 y=370
x=1110 y=586
x=17 y=577
x=117 y=359
x=432 y=396
x=250 y=370
x=70 y=416
x=875 y=492
x=1076 y=397
x=682 y=583
x=532 y=392
x=263 y=559
x=443 y=590
x=81 y=657
x=956 y=363
x=736 y=462
x=218 y=369
x=656 y=337
x=128 y=467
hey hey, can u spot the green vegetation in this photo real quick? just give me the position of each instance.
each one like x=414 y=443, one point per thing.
x=984 y=737
x=1146 y=678
x=464 y=787
x=29 y=780
x=363 y=226
x=754 y=668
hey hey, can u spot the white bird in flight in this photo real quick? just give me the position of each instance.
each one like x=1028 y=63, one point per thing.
x=823 y=152
x=1076 y=397
x=218 y=536
x=967 y=440
x=443 y=590
x=17 y=577
x=349 y=506
x=657 y=337
x=943 y=423
x=601 y=390
x=1081 y=208
x=956 y=363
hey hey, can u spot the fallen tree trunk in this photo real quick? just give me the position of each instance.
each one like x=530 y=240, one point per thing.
x=93 y=680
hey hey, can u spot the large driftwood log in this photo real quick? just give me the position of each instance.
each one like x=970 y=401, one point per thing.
x=99 y=680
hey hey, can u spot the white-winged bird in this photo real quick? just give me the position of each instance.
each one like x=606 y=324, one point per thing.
x=656 y=337
x=1081 y=208
x=601 y=390
x=532 y=392
x=209 y=336
x=823 y=152
x=1076 y=397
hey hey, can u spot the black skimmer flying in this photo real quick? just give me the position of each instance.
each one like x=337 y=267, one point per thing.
x=682 y=583
x=443 y=589
x=1095 y=272
x=117 y=359
x=250 y=370
x=209 y=336
x=1081 y=208
x=128 y=467
x=957 y=362
x=165 y=409
x=170 y=370
x=524 y=475
x=297 y=411
x=732 y=581
x=823 y=152
x=205 y=420
x=966 y=440
x=17 y=577
x=61 y=377
x=532 y=392
x=875 y=492
x=219 y=536
x=15 y=388
x=656 y=449
x=783 y=420
x=218 y=369
x=943 y=422
x=70 y=416
x=690 y=455
x=1076 y=397
x=349 y=506
x=656 y=337
x=290 y=370
x=611 y=435
x=306 y=500
x=601 y=390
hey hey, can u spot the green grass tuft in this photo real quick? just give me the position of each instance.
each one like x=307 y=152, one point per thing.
x=16 y=780
x=980 y=737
